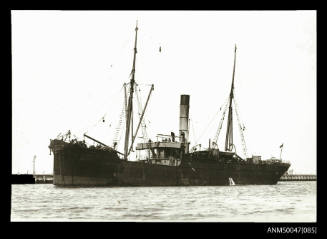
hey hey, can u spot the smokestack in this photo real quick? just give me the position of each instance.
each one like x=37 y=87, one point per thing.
x=34 y=164
x=183 y=118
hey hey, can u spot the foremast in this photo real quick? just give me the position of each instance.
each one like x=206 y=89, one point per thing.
x=129 y=106
x=130 y=100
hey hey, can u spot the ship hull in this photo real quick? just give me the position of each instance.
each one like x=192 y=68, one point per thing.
x=74 y=166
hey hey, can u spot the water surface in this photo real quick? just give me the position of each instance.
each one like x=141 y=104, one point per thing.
x=284 y=202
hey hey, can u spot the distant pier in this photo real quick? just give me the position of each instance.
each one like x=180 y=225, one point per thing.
x=31 y=179
x=298 y=177
x=43 y=178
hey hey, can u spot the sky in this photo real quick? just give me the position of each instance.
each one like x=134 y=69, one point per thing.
x=69 y=67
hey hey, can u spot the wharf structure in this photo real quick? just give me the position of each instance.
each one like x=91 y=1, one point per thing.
x=298 y=177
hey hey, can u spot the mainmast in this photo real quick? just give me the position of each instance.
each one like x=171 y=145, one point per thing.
x=130 y=100
x=229 y=134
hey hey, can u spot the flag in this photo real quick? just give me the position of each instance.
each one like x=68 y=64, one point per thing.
x=281 y=146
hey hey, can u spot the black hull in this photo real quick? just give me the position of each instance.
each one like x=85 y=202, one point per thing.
x=74 y=166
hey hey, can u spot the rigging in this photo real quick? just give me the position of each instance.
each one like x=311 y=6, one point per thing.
x=229 y=145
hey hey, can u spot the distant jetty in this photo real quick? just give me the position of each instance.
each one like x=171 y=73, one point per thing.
x=43 y=178
x=31 y=179
x=299 y=177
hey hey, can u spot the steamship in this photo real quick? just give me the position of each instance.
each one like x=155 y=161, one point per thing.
x=165 y=162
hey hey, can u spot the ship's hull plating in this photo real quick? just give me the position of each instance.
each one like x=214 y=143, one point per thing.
x=84 y=167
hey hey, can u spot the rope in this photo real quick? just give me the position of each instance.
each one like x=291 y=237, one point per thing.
x=241 y=129
x=118 y=54
x=140 y=107
x=193 y=131
x=118 y=128
x=103 y=118
x=221 y=122
x=138 y=84
x=209 y=124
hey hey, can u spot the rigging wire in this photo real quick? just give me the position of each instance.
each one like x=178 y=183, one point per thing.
x=122 y=132
x=210 y=122
x=241 y=129
x=215 y=140
x=207 y=127
x=138 y=84
x=118 y=133
x=119 y=126
x=118 y=54
x=103 y=117
x=140 y=108
x=193 y=131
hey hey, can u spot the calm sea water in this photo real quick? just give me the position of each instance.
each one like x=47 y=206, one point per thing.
x=284 y=202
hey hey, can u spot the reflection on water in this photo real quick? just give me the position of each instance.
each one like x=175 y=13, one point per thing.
x=284 y=202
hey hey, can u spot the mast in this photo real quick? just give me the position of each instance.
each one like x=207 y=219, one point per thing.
x=130 y=100
x=125 y=100
x=229 y=134
x=141 y=118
